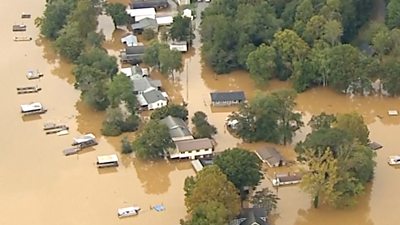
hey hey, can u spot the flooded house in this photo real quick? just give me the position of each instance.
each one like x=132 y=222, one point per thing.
x=192 y=149
x=251 y=216
x=181 y=46
x=152 y=99
x=132 y=54
x=156 y=4
x=32 y=108
x=140 y=85
x=135 y=72
x=144 y=24
x=227 y=98
x=271 y=157
x=178 y=129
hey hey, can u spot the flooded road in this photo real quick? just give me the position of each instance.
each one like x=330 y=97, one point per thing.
x=40 y=186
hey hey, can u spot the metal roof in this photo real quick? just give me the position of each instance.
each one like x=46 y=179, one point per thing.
x=194 y=144
x=227 y=96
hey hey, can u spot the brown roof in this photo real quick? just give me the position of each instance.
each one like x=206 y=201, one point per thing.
x=194 y=144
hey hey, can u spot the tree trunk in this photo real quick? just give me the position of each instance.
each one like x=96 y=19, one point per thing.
x=316 y=201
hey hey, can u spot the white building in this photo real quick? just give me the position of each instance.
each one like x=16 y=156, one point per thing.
x=152 y=99
x=164 y=20
x=192 y=149
x=139 y=14
x=181 y=46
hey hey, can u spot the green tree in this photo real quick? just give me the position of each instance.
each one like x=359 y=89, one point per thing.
x=202 y=129
x=241 y=167
x=55 y=17
x=181 y=29
x=207 y=213
x=266 y=199
x=152 y=52
x=153 y=142
x=261 y=63
x=393 y=14
x=117 y=11
x=170 y=61
x=96 y=95
x=332 y=32
x=321 y=178
x=212 y=185
x=321 y=121
x=117 y=122
x=314 y=29
x=353 y=124
x=382 y=41
x=391 y=78
x=69 y=43
x=96 y=39
x=149 y=34
x=85 y=16
x=99 y=59
x=174 y=110
x=121 y=90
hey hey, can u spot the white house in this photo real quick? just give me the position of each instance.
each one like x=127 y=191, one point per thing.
x=152 y=99
x=192 y=149
x=139 y=14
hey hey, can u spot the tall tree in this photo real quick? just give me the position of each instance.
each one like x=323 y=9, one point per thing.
x=153 y=142
x=170 y=61
x=391 y=78
x=121 y=90
x=353 y=124
x=174 y=110
x=241 y=166
x=266 y=199
x=261 y=63
x=202 y=129
x=69 y=43
x=212 y=185
x=208 y=213
x=117 y=11
x=322 y=177
x=55 y=17
x=393 y=14
x=181 y=29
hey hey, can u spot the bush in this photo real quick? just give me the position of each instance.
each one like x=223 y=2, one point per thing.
x=126 y=146
x=148 y=34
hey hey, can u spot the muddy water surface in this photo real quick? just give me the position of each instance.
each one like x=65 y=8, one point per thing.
x=41 y=186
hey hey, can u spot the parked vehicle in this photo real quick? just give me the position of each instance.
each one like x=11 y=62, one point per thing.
x=394 y=160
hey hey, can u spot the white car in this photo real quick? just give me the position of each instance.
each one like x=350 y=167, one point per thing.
x=394 y=160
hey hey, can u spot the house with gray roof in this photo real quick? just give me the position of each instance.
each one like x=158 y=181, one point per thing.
x=227 y=98
x=178 y=130
x=135 y=72
x=140 y=85
x=271 y=156
x=146 y=23
x=132 y=54
x=192 y=149
x=251 y=216
x=153 y=99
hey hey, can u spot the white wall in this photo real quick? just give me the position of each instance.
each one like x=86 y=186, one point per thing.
x=192 y=154
x=156 y=105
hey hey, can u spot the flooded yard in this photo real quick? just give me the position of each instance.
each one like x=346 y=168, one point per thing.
x=40 y=186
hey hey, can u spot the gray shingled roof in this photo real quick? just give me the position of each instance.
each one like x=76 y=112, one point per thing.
x=146 y=23
x=193 y=144
x=177 y=127
x=271 y=155
x=251 y=215
x=132 y=50
x=153 y=96
x=227 y=96
x=142 y=84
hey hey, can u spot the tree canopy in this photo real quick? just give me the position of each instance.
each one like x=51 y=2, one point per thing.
x=174 y=110
x=202 y=129
x=241 y=166
x=117 y=11
x=339 y=159
x=212 y=185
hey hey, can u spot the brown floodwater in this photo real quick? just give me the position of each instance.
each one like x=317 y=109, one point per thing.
x=40 y=186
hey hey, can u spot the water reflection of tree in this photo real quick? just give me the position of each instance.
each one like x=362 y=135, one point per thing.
x=154 y=176
x=329 y=216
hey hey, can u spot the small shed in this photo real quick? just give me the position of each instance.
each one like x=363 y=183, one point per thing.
x=129 y=40
x=227 y=98
x=181 y=46
x=271 y=156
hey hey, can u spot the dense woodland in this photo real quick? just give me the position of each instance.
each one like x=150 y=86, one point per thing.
x=310 y=42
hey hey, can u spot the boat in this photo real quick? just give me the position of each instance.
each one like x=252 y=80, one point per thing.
x=62 y=132
x=394 y=160
x=25 y=16
x=22 y=38
x=51 y=126
x=286 y=179
x=28 y=89
x=33 y=75
x=128 y=211
x=32 y=108
x=19 y=27
x=57 y=130
x=107 y=161
x=85 y=141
